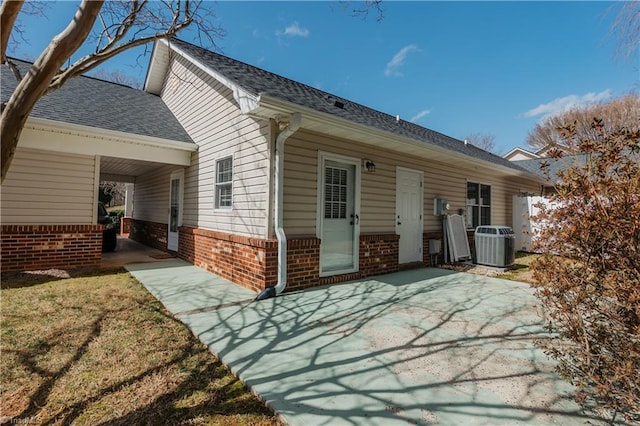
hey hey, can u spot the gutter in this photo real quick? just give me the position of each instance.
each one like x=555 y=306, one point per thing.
x=269 y=292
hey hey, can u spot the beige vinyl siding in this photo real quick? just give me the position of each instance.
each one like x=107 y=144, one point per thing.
x=211 y=116
x=151 y=195
x=49 y=188
x=377 y=202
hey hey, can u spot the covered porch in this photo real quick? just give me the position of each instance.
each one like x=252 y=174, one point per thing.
x=50 y=195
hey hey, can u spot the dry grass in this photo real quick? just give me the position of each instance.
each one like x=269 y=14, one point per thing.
x=521 y=271
x=101 y=350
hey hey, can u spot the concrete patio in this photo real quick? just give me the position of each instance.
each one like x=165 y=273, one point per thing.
x=424 y=346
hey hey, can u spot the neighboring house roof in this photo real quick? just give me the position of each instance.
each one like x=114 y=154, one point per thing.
x=517 y=153
x=261 y=82
x=544 y=151
x=101 y=104
x=554 y=165
x=520 y=152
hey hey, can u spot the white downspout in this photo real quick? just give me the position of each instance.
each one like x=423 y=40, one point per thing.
x=293 y=126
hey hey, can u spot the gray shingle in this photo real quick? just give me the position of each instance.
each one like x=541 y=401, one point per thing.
x=97 y=103
x=259 y=81
x=554 y=165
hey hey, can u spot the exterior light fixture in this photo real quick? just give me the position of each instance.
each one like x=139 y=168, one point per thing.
x=370 y=165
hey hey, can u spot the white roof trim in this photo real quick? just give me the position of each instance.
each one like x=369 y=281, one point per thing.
x=99 y=133
x=246 y=100
x=54 y=136
x=279 y=108
x=521 y=150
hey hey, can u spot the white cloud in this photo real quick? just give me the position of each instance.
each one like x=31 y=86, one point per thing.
x=566 y=103
x=398 y=60
x=420 y=115
x=294 y=30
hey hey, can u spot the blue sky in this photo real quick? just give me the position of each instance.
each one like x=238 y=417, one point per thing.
x=455 y=67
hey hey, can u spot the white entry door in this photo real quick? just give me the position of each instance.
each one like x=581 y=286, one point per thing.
x=175 y=209
x=409 y=210
x=339 y=217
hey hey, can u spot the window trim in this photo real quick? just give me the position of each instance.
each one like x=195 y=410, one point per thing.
x=469 y=218
x=218 y=184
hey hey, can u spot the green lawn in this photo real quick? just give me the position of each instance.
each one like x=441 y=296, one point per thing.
x=100 y=349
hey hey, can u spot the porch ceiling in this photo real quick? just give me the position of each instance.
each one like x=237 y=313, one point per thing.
x=123 y=156
x=124 y=170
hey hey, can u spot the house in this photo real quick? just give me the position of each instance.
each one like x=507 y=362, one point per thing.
x=89 y=130
x=521 y=154
x=285 y=184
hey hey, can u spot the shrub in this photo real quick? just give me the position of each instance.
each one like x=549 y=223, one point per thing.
x=589 y=277
x=116 y=215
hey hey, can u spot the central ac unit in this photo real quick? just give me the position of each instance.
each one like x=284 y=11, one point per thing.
x=495 y=246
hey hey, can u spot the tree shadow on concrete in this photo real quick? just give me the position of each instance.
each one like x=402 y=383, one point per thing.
x=420 y=346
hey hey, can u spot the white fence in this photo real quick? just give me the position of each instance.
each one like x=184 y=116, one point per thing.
x=524 y=227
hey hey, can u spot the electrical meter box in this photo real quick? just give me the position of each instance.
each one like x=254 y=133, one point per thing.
x=440 y=206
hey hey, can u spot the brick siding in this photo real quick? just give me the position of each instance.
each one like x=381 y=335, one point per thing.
x=36 y=247
x=378 y=254
x=249 y=262
x=152 y=234
x=253 y=262
x=303 y=262
x=125 y=226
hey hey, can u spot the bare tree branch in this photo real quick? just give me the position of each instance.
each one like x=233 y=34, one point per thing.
x=364 y=7
x=626 y=28
x=16 y=31
x=117 y=76
x=35 y=83
x=8 y=13
x=620 y=112
x=486 y=141
x=151 y=21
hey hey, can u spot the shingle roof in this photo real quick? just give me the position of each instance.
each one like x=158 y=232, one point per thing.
x=259 y=81
x=554 y=165
x=97 y=103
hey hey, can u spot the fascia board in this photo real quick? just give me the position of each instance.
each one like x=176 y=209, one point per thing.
x=96 y=132
x=246 y=100
x=152 y=64
x=275 y=108
x=63 y=137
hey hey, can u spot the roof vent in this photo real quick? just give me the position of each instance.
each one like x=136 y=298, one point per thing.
x=339 y=104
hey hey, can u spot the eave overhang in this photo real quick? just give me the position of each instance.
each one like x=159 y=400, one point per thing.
x=51 y=135
x=159 y=66
x=269 y=107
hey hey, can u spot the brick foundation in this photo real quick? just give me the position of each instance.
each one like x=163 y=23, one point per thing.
x=34 y=247
x=378 y=254
x=303 y=262
x=249 y=262
x=253 y=262
x=125 y=226
x=152 y=234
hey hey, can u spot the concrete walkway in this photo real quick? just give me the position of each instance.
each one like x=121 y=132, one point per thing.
x=129 y=251
x=423 y=346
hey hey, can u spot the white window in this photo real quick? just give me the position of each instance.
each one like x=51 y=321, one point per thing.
x=224 y=183
x=478 y=204
x=335 y=193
